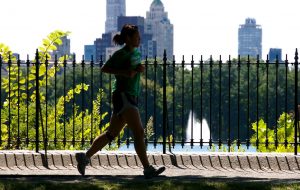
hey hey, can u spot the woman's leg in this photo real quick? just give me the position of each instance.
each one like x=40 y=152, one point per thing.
x=116 y=125
x=131 y=116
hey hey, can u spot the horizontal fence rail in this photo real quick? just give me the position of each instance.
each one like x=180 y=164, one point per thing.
x=243 y=102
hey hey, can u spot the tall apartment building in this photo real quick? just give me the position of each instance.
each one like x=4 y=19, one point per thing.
x=114 y=9
x=275 y=53
x=89 y=52
x=250 y=39
x=158 y=24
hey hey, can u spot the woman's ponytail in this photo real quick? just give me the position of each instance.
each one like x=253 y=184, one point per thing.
x=127 y=30
x=118 y=39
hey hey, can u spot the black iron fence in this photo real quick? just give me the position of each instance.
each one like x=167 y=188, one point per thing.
x=64 y=104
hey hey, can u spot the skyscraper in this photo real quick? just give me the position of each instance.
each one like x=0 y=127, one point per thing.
x=250 y=39
x=114 y=8
x=158 y=24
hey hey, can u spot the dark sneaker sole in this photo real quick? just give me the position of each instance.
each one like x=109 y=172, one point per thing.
x=157 y=173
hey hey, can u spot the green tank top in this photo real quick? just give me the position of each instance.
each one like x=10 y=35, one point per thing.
x=123 y=59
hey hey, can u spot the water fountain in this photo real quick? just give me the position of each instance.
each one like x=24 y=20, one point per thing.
x=192 y=122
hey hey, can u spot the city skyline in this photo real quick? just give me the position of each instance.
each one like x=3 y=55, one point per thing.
x=200 y=28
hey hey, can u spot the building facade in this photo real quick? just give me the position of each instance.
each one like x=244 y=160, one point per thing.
x=114 y=9
x=101 y=44
x=275 y=53
x=250 y=39
x=89 y=52
x=159 y=26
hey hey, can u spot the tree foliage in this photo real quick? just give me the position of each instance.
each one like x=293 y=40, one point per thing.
x=267 y=136
x=18 y=116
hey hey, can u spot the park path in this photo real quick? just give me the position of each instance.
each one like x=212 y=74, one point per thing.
x=126 y=164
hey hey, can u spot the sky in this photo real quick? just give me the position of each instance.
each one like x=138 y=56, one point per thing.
x=201 y=27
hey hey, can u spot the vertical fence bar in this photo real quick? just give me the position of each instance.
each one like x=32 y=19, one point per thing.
x=267 y=100
x=257 y=98
x=92 y=98
x=285 y=105
x=110 y=98
x=296 y=104
x=102 y=91
x=239 y=101
x=9 y=101
x=173 y=103
x=192 y=124
x=220 y=103
x=165 y=115
x=201 y=101
x=18 y=138
x=210 y=100
x=229 y=94
x=82 y=101
x=182 y=103
x=73 y=99
x=46 y=99
x=154 y=102
x=276 y=102
x=248 y=103
x=27 y=101
x=37 y=102
x=42 y=121
x=55 y=100
x=65 y=112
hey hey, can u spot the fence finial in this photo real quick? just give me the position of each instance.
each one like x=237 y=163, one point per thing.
x=165 y=55
x=296 y=55
x=37 y=54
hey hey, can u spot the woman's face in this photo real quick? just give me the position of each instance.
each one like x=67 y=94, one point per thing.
x=134 y=40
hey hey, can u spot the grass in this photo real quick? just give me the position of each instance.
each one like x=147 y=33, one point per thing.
x=91 y=183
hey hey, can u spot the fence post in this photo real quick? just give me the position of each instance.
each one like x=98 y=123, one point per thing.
x=164 y=101
x=37 y=102
x=296 y=102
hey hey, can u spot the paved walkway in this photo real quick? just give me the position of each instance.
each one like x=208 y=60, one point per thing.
x=126 y=164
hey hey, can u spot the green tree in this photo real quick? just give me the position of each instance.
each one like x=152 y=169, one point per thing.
x=18 y=110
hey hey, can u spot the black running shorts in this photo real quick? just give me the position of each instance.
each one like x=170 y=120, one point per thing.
x=121 y=101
